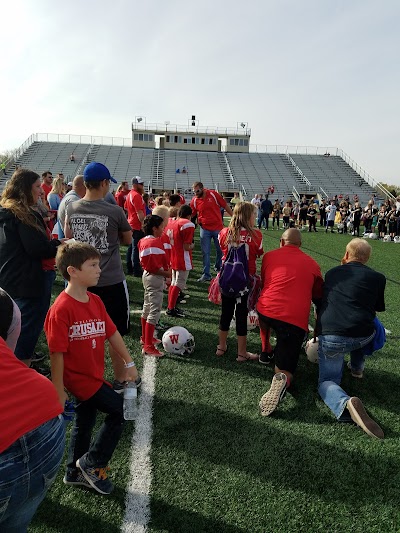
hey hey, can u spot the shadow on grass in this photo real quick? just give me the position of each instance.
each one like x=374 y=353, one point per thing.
x=314 y=461
x=172 y=519
x=59 y=517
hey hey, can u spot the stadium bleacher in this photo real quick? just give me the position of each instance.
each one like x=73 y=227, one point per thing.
x=249 y=173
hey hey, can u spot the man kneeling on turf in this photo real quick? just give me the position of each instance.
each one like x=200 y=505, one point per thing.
x=76 y=327
x=290 y=280
x=359 y=291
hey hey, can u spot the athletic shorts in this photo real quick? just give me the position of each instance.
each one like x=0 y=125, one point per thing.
x=116 y=301
x=303 y=216
x=289 y=339
x=330 y=223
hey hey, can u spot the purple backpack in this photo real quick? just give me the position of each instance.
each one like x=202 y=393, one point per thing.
x=234 y=274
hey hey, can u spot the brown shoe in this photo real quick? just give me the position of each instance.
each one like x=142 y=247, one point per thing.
x=360 y=417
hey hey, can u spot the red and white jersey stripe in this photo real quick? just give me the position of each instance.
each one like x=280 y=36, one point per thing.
x=181 y=232
x=152 y=254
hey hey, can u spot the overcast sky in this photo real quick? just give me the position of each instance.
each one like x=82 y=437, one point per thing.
x=311 y=72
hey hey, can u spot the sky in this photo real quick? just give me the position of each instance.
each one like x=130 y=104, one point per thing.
x=310 y=73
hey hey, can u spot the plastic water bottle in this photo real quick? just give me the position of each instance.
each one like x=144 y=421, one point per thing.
x=69 y=411
x=130 y=401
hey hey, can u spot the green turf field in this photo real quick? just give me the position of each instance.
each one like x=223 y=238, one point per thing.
x=218 y=466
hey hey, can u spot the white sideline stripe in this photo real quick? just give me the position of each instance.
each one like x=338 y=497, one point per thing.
x=137 y=511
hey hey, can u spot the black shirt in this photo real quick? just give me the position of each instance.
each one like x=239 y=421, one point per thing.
x=352 y=294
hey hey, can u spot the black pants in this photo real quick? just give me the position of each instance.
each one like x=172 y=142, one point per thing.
x=229 y=308
x=101 y=449
x=136 y=236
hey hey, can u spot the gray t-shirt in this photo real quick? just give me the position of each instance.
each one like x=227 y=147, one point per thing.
x=99 y=223
x=71 y=196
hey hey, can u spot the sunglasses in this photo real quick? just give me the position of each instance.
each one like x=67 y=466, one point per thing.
x=197 y=190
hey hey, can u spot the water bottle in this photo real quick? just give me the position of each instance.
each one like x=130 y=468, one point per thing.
x=69 y=411
x=130 y=401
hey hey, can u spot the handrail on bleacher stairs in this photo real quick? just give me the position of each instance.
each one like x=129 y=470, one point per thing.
x=299 y=172
x=296 y=194
x=369 y=179
x=324 y=194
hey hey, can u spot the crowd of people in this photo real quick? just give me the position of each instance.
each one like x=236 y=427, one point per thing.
x=340 y=213
x=44 y=227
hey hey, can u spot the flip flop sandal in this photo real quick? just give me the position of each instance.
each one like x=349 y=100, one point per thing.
x=222 y=352
x=248 y=357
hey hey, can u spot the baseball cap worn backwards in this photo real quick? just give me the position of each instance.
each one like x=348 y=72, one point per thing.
x=97 y=172
x=137 y=180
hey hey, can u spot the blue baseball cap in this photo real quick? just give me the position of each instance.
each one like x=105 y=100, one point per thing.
x=97 y=172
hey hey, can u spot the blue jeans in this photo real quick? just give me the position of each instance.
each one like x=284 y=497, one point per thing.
x=331 y=352
x=33 y=314
x=27 y=469
x=205 y=242
x=101 y=449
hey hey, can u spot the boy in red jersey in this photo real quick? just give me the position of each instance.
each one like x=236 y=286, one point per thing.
x=155 y=266
x=181 y=233
x=76 y=328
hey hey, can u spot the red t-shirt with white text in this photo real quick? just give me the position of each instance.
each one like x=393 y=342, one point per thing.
x=79 y=330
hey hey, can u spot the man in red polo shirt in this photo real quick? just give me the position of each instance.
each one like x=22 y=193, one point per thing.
x=290 y=280
x=136 y=209
x=207 y=205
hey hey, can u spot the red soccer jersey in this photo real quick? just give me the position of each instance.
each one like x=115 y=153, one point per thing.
x=134 y=202
x=181 y=232
x=253 y=242
x=208 y=210
x=290 y=280
x=79 y=330
x=152 y=254
x=27 y=398
x=166 y=245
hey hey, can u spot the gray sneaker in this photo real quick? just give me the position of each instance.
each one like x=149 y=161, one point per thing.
x=204 y=279
x=75 y=478
x=96 y=477
x=269 y=402
x=360 y=416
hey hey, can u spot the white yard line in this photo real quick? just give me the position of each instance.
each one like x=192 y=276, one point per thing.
x=137 y=511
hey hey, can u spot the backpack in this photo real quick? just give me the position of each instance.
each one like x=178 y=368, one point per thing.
x=234 y=274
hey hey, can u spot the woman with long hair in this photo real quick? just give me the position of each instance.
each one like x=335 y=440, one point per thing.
x=240 y=231
x=56 y=194
x=23 y=245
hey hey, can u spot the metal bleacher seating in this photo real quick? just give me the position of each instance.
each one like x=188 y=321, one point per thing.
x=249 y=173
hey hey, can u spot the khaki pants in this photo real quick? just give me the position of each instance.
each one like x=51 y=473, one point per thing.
x=153 y=297
x=179 y=278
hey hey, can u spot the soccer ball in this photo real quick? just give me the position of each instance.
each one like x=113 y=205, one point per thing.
x=340 y=226
x=397 y=239
x=178 y=340
x=373 y=236
x=387 y=238
x=312 y=350
x=252 y=321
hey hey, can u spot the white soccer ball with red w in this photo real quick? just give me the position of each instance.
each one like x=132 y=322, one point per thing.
x=252 y=320
x=312 y=350
x=178 y=340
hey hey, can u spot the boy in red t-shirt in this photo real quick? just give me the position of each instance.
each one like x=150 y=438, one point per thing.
x=76 y=327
